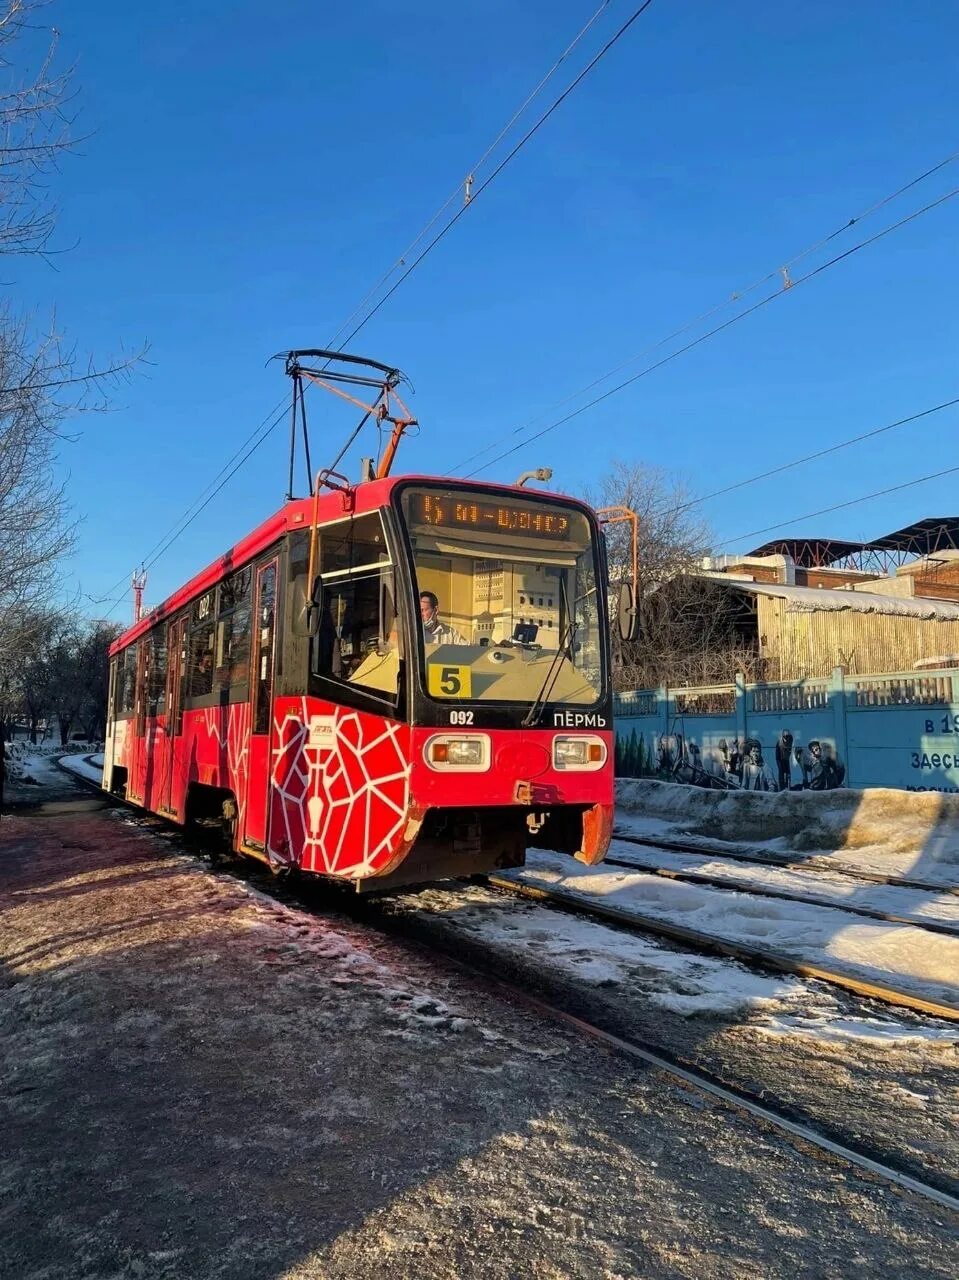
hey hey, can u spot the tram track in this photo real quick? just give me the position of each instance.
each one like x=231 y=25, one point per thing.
x=547 y=1000
x=761 y=858
x=758 y=957
x=761 y=957
x=419 y=930
x=783 y=895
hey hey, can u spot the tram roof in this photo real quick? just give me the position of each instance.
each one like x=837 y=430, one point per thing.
x=297 y=514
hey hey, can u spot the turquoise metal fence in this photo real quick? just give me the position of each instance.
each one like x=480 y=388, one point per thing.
x=898 y=729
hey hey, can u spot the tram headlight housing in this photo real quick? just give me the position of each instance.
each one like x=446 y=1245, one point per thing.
x=581 y=753
x=458 y=752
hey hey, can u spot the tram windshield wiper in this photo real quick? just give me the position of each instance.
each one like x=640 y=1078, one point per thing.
x=535 y=713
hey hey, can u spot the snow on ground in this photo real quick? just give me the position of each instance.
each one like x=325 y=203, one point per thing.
x=831 y=888
x=32 y=769
x=881 y=831
x=676 y=980
x=839 y=1029
x=34 y=763
x=203 y=1084
x=904 y=957
x=92 y=768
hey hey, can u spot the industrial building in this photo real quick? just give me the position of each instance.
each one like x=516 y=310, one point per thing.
x=805 y=605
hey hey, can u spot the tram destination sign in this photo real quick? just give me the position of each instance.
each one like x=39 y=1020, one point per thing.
x=451 y=512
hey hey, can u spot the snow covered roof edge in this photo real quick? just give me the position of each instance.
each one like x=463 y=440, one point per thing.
x=822 y=599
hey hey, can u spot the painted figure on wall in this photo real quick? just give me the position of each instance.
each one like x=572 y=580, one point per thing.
x=821 y=770
x=756 y=773
x=739 y=765
x=789 y=768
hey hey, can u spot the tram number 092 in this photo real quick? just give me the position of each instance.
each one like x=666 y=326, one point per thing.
x=461 y=717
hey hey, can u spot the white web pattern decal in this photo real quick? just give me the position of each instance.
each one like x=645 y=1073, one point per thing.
x=230 y=738
x=339 y=807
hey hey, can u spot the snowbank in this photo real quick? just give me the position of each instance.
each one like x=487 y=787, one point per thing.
x=921 y=824
x=907 y=958
x=91 y=769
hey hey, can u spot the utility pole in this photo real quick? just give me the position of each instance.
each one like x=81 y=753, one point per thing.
x=138 y=583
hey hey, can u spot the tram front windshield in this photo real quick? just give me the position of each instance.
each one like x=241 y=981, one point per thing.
x=507 y=598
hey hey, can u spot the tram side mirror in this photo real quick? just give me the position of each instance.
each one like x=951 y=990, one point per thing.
x=627 y=615
x=314 y=610
x=525 y=632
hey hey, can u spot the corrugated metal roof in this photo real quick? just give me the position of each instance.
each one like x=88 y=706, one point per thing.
x=810 y=553
x=922 y=537
x=830 y=599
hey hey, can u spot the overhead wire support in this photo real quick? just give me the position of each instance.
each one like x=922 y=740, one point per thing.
x=465 y=184
x=534 y=129
x=782 y=270
x=726 y=324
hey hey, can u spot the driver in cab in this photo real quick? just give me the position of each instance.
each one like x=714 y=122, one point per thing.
x=436 y=631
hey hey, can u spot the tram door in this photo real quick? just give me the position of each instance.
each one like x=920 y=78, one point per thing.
x=139 y=747
x=261 y=711
x=173 y=778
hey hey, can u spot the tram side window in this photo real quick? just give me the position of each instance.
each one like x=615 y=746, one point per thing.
x=201 y=646
x=126 y=681
x=351 y=544
x=232 y=665
x=264 y=675
x=156 y=673
x=358 y=636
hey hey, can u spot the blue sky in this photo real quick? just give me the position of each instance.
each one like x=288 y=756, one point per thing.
x=251 y=172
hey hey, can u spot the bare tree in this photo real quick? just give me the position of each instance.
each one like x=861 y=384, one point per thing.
x=58 y=674
x=672 y=538
x=690 y=632
x=35 y=124
x=93 y=676
x=42 y=382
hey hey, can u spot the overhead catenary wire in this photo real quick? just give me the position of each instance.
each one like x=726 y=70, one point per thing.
x=104 y=598
x=810 y=457
x=786 y=287
x=444 y=230
x=466 y=183
x=840 y=506
x=164 y=545
x=473 y=194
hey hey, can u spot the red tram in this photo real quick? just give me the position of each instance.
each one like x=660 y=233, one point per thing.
x=391 y=682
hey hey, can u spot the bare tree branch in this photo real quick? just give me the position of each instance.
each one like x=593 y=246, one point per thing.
x=43 y=384
x=691 y=633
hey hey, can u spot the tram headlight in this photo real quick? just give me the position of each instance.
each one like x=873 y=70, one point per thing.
x=458 y=752
x=583 y=753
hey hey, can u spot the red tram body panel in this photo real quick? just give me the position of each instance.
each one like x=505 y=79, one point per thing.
x=389 y=684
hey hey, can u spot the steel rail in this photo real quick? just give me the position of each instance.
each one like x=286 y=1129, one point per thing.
x=790 y=864
x=756 y=956
x=704 y=1083
x=763 y=957
x=762 y=891
x=694 y=1077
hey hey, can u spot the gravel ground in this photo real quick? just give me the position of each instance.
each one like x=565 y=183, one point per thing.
x=200 y=1082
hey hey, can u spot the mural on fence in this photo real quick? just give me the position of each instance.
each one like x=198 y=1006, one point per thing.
x=731 y=764
x=894 y=729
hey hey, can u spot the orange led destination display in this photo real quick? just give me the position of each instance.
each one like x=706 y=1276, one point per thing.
x=449 y=512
